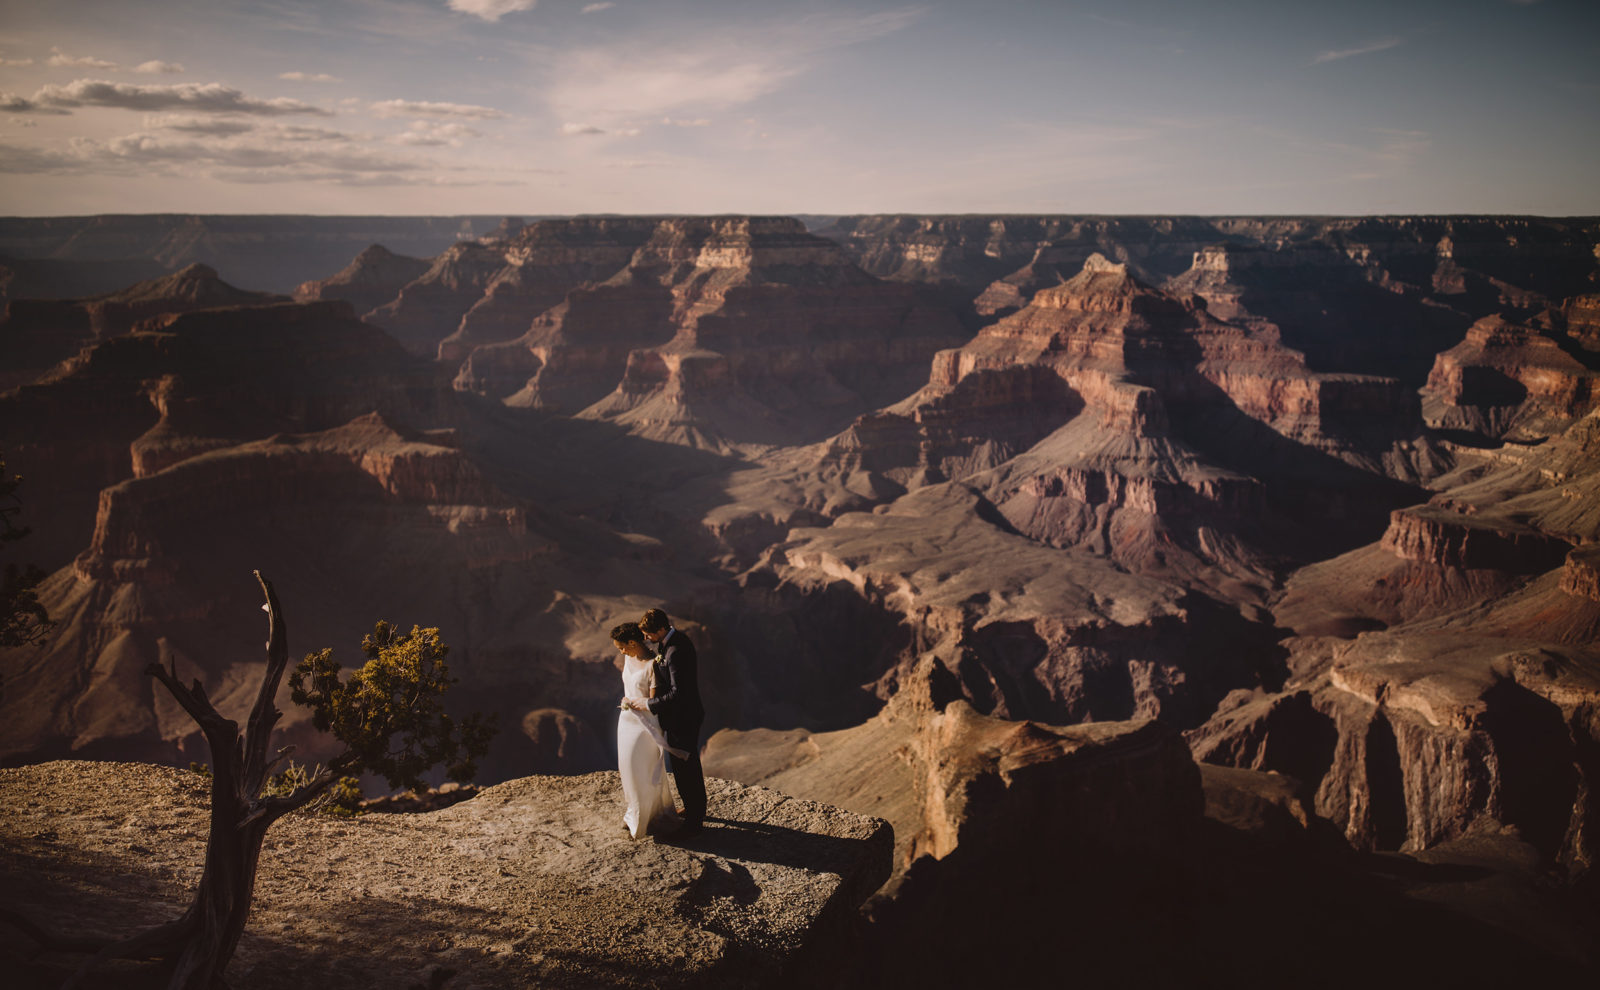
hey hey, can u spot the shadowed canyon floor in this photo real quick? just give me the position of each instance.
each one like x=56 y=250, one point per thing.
x=967 y=516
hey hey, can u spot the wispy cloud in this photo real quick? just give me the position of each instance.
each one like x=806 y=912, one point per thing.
x=412 y=108
x=157 y=67
x=591 y=130
x=15 y=62
x=654 y=76
x=491 y=10
x=431 y=134
x=1375 y=45
x=12 y=103
x=193 y=97
x=316 y=77
x=272 y=153
x=189 y=124
x=679 y=122
x=595 y=8
x=60 y=59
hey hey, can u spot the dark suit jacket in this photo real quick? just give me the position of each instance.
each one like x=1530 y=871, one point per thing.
x=677 y=700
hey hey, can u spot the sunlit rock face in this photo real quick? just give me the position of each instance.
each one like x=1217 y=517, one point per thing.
x=1511 y=380
x=710 y=332
x=1445 y=679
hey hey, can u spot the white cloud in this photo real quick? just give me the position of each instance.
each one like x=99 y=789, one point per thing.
x=17 y=160
x=194 y=97
x=15 y=62
x=61 y=58
x=678 y=122
x=410 y=108
x=1376 y=45
x=156 y=67
x=491 y=10
x=317 y=77
x=429 y=134
x=654 y=76
x=12 y=103
x=291 y=156
x=595 y=8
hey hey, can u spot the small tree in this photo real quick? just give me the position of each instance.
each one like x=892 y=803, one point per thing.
x=388 y=715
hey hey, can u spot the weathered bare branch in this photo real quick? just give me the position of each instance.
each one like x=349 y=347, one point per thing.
x=193 y=699
x=265 y=713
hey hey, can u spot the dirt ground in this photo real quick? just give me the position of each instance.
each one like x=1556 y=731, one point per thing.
x=534 y=882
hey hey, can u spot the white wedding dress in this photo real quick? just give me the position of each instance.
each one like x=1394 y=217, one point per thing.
x=641 y=754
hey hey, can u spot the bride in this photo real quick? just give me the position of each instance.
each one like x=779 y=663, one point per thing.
x=641 y=746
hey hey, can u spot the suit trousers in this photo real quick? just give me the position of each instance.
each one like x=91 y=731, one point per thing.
x=686 y=773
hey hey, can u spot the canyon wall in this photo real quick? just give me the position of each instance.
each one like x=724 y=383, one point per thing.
x=1320 y=492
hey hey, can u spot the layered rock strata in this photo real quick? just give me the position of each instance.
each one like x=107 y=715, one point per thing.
x=184 y=383
x=428 y=308
x=40 y=333
x=374 y=278
x=1115 y=417
x=718 y=331
x=320 y=511
x=1508 y=380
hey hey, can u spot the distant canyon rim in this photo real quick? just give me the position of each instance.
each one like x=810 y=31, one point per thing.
x=1311 y=502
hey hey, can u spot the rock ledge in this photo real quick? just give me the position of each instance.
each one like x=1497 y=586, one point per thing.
x=532 y=883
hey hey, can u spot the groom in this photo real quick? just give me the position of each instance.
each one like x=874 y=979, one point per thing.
x=677 y=705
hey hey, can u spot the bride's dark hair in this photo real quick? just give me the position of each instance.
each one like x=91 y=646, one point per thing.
x=627 y=632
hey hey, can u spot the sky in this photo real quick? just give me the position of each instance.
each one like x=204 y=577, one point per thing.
x=556 y=107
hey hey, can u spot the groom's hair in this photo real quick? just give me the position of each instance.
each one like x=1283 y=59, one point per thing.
x=627 y=632
x=655 y=621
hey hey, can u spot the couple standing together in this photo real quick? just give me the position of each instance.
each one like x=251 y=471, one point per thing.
x=660 y=720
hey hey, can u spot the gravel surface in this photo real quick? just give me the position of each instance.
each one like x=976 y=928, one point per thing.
x=534 y=882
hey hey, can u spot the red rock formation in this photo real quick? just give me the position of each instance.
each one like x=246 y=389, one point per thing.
x=1444 y=537
x=545 y=261
x=1508 y=379
x=1581 y=316
x=430 y=308
x=749 y=330
x=375 y=277
x=1580 y=576
x=39 y=333
x=361 y=521
x=185 y=383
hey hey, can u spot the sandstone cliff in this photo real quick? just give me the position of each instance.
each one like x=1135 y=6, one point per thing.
x=1447 y=676
x=1509 y=380
x=187 y=382
x=710 y=333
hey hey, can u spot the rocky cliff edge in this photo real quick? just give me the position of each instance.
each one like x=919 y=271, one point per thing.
x=532 y=883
